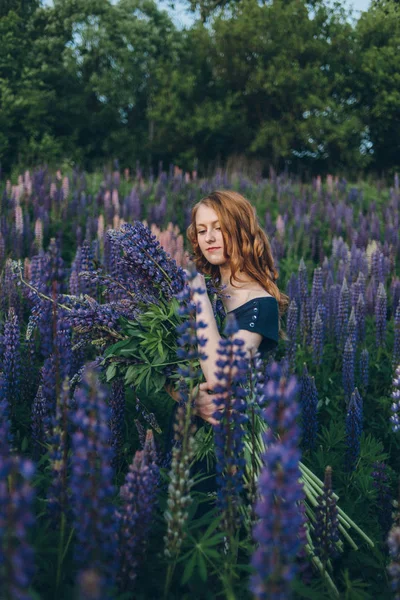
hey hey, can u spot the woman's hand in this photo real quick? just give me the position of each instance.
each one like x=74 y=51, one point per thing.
x=205 y=405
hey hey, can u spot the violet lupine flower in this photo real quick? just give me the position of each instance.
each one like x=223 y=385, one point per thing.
x=317 y=339
x=12 y=359
x=91 y=497
x=360 y=318
x=395 y=293
x=309 y=404
x=393 y=569
x=180 y=484
x=380 y=315
x=333 y=306
x=343 y=313
x=277 y=532
x=364 y=368
x=17 y=566
x=147 y=261
x=138 y=496
x=396 y=345
x=326 y=527
x=6 y=437
x=354 y=428
x=117 y=405
x=292 y=320
x=228 y=434
x=57 y=501
x=395 y=408
x=292 y=288
x=317 y=291
x=384 y=500
x=40 y=423
x=86 y=264
x=348 y=369
x=352 y=328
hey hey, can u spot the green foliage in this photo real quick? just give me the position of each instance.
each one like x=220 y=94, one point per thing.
x=284 y=83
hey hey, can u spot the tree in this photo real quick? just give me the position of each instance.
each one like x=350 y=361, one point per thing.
x=377 y=82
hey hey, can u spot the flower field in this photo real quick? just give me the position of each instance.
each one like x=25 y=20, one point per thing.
x=97 y=317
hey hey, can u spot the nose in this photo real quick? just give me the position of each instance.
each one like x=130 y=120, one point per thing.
x=210 y=237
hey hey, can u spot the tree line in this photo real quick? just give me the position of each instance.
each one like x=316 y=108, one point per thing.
x=288 y=83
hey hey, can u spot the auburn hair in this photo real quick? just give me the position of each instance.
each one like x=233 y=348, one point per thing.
x=246 y=244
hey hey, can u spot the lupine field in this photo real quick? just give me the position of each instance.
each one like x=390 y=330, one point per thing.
x=96 y=318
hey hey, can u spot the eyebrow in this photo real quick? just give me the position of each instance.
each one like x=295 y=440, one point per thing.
x=202 y=224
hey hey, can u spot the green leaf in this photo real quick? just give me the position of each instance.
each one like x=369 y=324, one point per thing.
x=189 y=567
x=110 y=372
x=202 y=567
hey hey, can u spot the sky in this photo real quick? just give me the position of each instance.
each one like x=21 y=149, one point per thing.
x=183 y=18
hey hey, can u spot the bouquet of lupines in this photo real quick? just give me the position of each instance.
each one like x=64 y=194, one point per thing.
x=137 y=325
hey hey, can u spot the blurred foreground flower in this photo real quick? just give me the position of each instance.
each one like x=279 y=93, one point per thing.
x=278 y=532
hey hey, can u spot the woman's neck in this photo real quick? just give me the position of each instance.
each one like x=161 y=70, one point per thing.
x=225 y=273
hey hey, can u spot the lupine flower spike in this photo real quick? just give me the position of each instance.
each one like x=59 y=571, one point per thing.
x=91 y=497
x=395 y=418
x=354 y=428
x=326 y=528
x=278 y=532
x=228 y=434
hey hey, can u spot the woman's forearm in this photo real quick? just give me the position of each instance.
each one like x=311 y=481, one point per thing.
x=212 y=335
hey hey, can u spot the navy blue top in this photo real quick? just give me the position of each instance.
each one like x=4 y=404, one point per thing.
x=262 y=316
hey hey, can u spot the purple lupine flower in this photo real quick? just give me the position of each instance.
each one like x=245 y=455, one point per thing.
x=189 y=342
x=305 y=304
x=317 y=339
x=12 y=359
x=138 y=496
x=396 y=344
x=360 y=318
x=395 y=293
x=333 y=306
x=343 y=313
x=6 y=437
x=393 y=569
x=395 y=408
x=309 y=404
x=40 y=423
x=317 y=291
x=364 y=369
x=86 y=264
x=380 y=315
x=384 y=500
x=354 y=428
x=228 y=434
x=326 y=528
x=348 y=369
x=277 y=532
x=352 y=328
x=16 y=519
x=292 y=320
x=147 y=261
x=57 y=501
x=91 y=497
x=292 y=288
x=117 y=405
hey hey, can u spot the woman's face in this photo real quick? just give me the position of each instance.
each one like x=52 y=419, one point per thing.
x=209 y=235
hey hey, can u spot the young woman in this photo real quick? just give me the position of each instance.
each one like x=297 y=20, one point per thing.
x=229 y=245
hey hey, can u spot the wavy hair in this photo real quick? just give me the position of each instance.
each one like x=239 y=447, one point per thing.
x=246 y=244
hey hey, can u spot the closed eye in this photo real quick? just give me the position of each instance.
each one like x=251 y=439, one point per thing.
x=217 y=228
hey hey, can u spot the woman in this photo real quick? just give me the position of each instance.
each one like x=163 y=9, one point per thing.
x=229 y=245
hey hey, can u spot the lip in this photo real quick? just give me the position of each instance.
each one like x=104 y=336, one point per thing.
x=216 y=248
